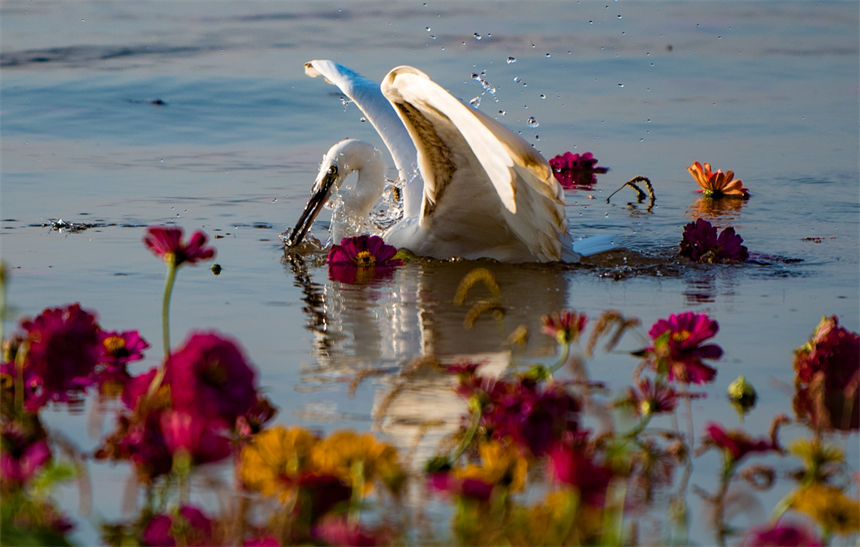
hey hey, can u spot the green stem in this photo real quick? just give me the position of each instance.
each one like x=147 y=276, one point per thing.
x=565 y=353
x=728 y=469
x=165 y=328
x=470 y=433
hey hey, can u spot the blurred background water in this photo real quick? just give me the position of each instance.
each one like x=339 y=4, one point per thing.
x=118 y=115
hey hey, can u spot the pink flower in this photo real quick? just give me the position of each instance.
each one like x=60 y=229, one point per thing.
x=468 y=487
x=701 y=243
x=121 y=348
x=193 y=528
x=678 y=347
x=565 y=326
x=360 y=259
x=210 y=375
x=23 y=454
x=827 y=377
x=166 y=242
x=339 y=531
x=781 y=535
x=652 y=398
x=571 y=465
x=199 y=438
x=63 y=351
x=736 y=444
x=575 y=170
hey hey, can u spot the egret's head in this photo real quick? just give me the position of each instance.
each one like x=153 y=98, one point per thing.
x=327 y=179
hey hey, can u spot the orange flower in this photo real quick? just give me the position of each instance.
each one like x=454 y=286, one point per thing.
x=717 y=184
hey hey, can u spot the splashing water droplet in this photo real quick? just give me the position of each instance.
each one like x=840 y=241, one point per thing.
x=619 y=16
x=620 y=84
x=516 y=79
x=542 y=96
x=511 y=60
x=532 y=45
x=427 y=29
x=475 y=101
x=502 y=112
x=533 y=122
x=477 y=36
x=548 y=55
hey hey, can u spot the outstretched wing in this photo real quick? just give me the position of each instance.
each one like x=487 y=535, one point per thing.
x=477 y=173
x=379 y=112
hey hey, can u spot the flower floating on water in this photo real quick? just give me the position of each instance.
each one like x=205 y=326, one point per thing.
x=360 y=259
x=678 y=347
x=827 y=377
x=718 y=184
x=701 y=243
x=166 y=242
x=576 y=170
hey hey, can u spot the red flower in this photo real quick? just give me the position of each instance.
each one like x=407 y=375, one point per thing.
x=24 y=452
x=117 y=350
x=701 y=243
x=827 y=377
x=678 y=347
x=360 y=259
x=565 y=326
x=337 y=530
x=194 y=435
x=469 y=488
x=63 y=351
x=781 y=535
x=166 y=242
x=571 y=465
x=193 y=528
x=210 y=375
x=575 y=170
x=736 y=444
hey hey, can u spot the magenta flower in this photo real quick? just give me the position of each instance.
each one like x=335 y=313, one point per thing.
x=121 y=348
x=195 y=436
x=570 y=464
x=701 y=244
x=652 y=398
x=191 y=525
x=24 y=453
x=736 y=444
x=337 y=530
x=210 y=375
x=138 y=438
x=565 y=326
x=575 y=170
x=166 y=242
x=781 y=535
x=467 y=487
x=678 y=347
x=63 y=351
x=827 y=377
x=360 y=259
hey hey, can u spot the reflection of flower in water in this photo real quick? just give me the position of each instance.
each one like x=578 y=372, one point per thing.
x=360 y=259
x=717 y=184
x=576 y=170
x=716 y=207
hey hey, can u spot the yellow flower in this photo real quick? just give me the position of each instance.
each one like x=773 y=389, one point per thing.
x=274 y=459
x=358 y=460
x=831 y=508
x=501 y=464
x=817 y=457
x=717 y=184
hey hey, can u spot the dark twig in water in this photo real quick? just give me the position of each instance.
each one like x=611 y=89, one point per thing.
x=640 y=195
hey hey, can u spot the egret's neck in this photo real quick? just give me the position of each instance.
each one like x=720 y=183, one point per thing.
x=368 y=187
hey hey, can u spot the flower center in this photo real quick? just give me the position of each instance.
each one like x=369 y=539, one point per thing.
x=365 y=260
x=681 y=335
x=214 y=374
x=114 y=345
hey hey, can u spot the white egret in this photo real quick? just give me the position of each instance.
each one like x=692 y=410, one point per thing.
x=471 y=188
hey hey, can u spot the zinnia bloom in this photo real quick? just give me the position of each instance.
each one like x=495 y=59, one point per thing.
x=338 y=530
x=565 y=326
x=830 y=507
x=24 y=453
x=571 y=465
x=472 y=488
x=193 y=528
x=339 y=453
x=166 y=242
x=717 y=184
x=827 y=377
x=701 y=243
x=781 y=535
x=63 y=351
x=194 y=436
x=275 y=459
x=678 y=346
x=117 y=350
x=210 y=375
x=360 y=259
x=736 y=444
x=576 y=170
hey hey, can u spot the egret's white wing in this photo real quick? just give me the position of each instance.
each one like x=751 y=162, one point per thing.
x=368 y=97
x=476 y=171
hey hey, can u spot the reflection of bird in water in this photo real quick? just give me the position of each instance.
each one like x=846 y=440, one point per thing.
x=471 y=188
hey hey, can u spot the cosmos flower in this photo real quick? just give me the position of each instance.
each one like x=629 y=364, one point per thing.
x=565 y=326
x=652 y=397
x=827 y=377
x=166 y=242
x=781 y=535
x=360 y=259
x=189 y=523
x=701 y=244
x=210 y=375
x=717 y=184
x=678 y=347
x=63 y=351
x=576 y=170
x=736 y=444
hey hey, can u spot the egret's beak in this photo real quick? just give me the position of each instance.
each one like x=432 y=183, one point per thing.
x=319 y=195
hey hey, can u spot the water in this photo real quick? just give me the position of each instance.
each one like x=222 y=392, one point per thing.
x=123 y=115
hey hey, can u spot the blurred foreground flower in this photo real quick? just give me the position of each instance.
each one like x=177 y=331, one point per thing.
x=827 y=377
x=576 y=170
x=360 y=259
x=736 y=444
x=188 y=526
x=565 y=326
x=166 y=242
x=717 y=184
x=742 y=395
x=781 y=535
x=678 y=347
x=830 y=507
x=700 y=243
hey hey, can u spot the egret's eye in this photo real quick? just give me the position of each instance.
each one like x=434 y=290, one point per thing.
x=332 y=170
